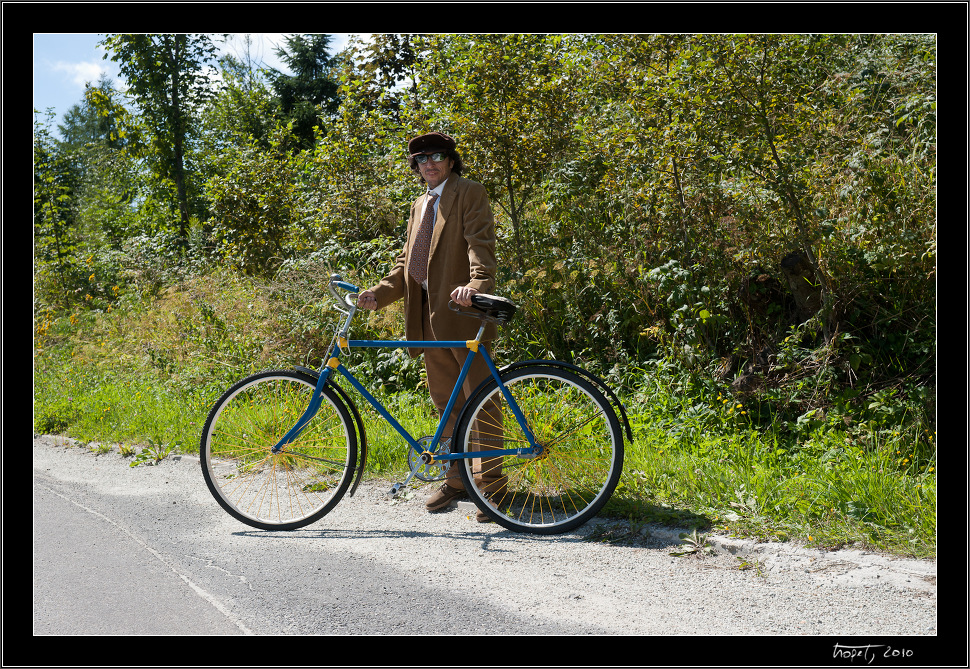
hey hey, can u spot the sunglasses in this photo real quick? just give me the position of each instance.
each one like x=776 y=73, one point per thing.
x=437 y=157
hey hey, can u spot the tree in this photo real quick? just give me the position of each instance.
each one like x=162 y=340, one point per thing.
x=388 y=61
x=106 y=178
x=55 y=234
x=253 y=203
x=762 y=119
x=361 y=185
x=83 y=124
x=311 y=91
x=510 y=101
x=168 y=80
x=55 y=180
x=240 y=112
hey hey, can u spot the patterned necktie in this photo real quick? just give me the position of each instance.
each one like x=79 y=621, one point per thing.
x=422 y=243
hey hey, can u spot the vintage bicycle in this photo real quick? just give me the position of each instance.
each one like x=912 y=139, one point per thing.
x=539 y=445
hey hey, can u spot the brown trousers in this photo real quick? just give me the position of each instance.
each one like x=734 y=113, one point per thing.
x=443 y=366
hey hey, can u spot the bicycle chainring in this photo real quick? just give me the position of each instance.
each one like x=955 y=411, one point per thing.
x=429 y=472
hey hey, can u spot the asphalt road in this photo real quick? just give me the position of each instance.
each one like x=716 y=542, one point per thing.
x=119 y=550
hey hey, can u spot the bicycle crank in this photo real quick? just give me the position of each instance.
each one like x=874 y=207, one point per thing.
x=423 y=465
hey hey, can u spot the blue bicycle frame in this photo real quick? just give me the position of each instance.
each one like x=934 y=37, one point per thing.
x=333 y=363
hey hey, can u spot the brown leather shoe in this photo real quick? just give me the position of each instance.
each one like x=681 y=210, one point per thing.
x=482 y=517
x=444 y=496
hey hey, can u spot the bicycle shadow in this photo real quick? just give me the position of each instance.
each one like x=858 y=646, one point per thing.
x=645 y=524
x=483 y=538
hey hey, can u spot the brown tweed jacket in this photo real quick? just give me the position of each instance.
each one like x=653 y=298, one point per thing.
x=462 y=254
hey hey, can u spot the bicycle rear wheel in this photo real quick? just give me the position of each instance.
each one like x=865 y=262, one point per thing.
x=285 y=490
x=580 y=464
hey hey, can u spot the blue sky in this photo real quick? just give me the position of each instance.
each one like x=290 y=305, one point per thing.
x=64 y=62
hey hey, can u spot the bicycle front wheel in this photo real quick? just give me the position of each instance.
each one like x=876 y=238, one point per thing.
x=285 y=490
x=582 y=451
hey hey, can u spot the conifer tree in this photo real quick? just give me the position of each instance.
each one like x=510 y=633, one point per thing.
x=310 y=91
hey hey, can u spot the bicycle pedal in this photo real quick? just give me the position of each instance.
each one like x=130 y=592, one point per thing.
x=395 y=490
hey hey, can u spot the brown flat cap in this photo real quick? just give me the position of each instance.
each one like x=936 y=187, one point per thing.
x=433 y=141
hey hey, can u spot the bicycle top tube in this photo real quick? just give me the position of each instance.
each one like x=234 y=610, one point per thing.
x=408 y=343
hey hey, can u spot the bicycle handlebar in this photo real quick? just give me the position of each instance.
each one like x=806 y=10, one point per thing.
x=491 y=307
x=346 y=286
x=337 y=281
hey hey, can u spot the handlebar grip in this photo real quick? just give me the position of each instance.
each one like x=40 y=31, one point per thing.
x=337 y=280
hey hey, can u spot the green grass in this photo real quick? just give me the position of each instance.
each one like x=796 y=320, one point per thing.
x=386 y=454
x=827 y=494
x=93 y=405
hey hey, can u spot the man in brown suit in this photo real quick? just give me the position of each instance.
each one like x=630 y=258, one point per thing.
x=459 y=263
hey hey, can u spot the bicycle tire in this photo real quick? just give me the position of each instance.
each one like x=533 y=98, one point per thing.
x=292 y=488
x=578 y=470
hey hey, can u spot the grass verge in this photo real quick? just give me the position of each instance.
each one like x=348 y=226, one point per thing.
x=743 y=484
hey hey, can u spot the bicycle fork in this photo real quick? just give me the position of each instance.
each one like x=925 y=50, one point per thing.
x=310 y=411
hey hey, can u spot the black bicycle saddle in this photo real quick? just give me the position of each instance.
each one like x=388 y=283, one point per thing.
x=495 y=308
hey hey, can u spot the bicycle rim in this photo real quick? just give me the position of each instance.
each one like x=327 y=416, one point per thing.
x=574 y=476
x=285 y=490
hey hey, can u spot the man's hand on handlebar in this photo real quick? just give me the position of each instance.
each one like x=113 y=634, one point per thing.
x=366 y=300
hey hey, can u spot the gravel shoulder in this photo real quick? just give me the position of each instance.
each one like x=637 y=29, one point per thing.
x=374 y=563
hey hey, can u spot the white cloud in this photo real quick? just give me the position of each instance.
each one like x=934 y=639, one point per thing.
x=80 y=73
